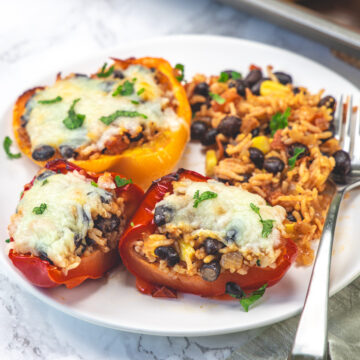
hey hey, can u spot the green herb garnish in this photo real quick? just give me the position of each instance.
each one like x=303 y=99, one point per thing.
x=182 y=72
x=135 y=102
x=292 y=160
x=50 y=101
x=73 y=120
x=38 y=210
x=279 y=121
x=216 y=97
x=103 y=73
x=21 y=194
x=253 y=297
x=140 y=91
x=107 y=120
x=224 y=77
x=121 y=181
x=7 y=240
x=206 y=195
x=236 y=75
x=132 y=224
x=7 y=143
x=125 y=89
x=93 y=183
x=44 y=182
x=267 y=224
x=258 y=262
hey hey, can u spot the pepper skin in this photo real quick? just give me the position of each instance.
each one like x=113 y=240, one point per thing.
x=143 y=163
x=41 y=273
x=150 y=278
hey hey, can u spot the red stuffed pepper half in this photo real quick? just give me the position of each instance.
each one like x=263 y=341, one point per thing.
x=196 y=235
x=68 y=222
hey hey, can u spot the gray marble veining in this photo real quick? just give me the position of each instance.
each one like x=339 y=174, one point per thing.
x=43 y=32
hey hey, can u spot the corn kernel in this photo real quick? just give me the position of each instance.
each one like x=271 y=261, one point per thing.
x=187 y=252
x=289 y=228
x=271 y=87
x=211 y=162
x=262 y=143
x=208 y=259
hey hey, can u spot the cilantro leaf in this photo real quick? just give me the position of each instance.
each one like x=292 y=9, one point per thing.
x=121 y=181
x=7 y=240
x=206 y=195
x=135 y=102
x=93 y=183
x=181 y=68
x=292 y=160
x=224 y=77
x=103 y=73
x=44 y=182
x=217 y=98
x=267 y=224
x=279 y=121
x=6 y=144
x=107 y=120
x=140 y=91
x=236 y=75
x=74 y=120
x=127 y=88
x=38 y=210
x=247 y=301
x=50 y=101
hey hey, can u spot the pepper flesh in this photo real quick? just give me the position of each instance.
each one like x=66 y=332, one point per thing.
x=41 y=273
x=151 y=278
x=143 y=163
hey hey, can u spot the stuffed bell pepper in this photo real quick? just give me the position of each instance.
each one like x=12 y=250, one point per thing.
x=68 y=223
x=131 y=117
x=200 y=236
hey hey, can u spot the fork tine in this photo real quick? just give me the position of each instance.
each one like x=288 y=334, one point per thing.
x=338 y=118
x=355 y=141
x=346 y=141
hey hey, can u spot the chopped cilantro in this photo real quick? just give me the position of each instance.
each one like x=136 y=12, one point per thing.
x=103 y=73
x=247 y=301
x=267 y=224
x=181 y=68
x=279 y=121
x=50 y=101
x=236 y=75
x=132 y=224
x=7 y=143
x=224 y=77
x=93 y=183
x=217 y=98
x=292 y=160
x=44 y=182
x=140 y=91
x=107 y=120
x=74 y=120
x=7 y=240
x=206 y=195
x=125 y=89
x=38 y=210
x=121 y=181
x=135 y=102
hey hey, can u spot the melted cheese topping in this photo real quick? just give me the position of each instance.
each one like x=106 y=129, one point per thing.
x=229 y=211
x=70 y=200
x=45 y=125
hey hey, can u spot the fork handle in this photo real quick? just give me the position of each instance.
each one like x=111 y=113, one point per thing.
x=311 y=335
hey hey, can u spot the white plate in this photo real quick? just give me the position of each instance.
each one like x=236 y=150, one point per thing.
x=114 y=302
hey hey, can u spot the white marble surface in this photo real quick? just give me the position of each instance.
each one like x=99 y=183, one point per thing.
x=41 y=32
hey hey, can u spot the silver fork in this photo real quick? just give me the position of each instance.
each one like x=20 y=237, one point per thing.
x=311 y=335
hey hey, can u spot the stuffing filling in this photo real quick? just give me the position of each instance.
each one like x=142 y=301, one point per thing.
x=64 y=217
x=205 y=228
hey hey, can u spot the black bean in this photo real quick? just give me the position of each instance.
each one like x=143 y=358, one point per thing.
x=273 y=165
x=43 y=256
x=342 y=163
x=210 y=271
x=234 y=290
x=198 y=130
x=229 y=126
x=246 y=177
x=202 y=89
x=118 y=74
x=196 y=107
x=225 y=152
x=212 y=246
x=66 y=151
x=329 y=101
x=89 y=241
x=43 y=153
x=283 y=77
x=255 y=89
x=253 y=77
x=240 y=86
x=77 y=240
x=138 y=136
x=106 y=197
x=257 y=157
x=291 y=150
x=230 y=236
x=167 y=253
x=255 y=132
x=296 y=90
x=163 y=214
x=209 y=137
x=44 y=175
x=80 y=75
x=107 y=224
x=291 y=217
